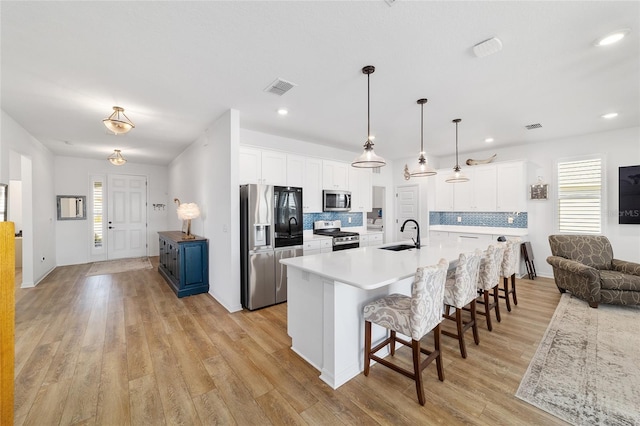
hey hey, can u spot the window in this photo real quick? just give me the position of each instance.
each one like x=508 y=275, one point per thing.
x=580 y=196
x=97 y=214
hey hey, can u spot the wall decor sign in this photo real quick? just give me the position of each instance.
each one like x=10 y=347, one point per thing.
x=539 y=191
x=629 y=195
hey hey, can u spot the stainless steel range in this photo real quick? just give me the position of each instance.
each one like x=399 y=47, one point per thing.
x=342 y=240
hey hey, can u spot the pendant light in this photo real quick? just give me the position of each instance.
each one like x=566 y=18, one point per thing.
x=457 y=176
x=423 y=169
x=118 y=122
x=368 y=159
x=116 y=158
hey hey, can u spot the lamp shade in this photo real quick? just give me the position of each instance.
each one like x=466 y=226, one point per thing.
x=457 y=176
x=188 y=211
x=423 y=169
x=368 y=159
x=118 y=122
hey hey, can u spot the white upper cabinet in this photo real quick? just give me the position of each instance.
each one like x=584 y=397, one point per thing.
x=444 y=191
x=274 y=168
x=511 y=187
x=479 y=193
x=263 y=167
x=312 y=186
x=499 y=187
x=250 y=165
x=361 y=189
x=335 y=175
x=295 y=170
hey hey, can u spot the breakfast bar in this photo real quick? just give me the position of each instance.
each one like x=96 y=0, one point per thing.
x=327 y=292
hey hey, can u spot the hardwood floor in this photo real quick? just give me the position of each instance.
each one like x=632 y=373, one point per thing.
x=123 y=349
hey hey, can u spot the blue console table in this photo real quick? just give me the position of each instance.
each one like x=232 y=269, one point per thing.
x=184 y=263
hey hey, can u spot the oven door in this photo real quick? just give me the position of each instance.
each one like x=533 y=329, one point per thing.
x=345 y=246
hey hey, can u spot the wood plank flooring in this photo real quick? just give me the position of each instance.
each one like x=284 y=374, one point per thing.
x=123 y=349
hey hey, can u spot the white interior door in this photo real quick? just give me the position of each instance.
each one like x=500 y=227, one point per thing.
x=127 y=216
x=407 y=207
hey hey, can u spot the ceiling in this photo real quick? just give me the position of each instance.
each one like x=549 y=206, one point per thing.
x=177 y=66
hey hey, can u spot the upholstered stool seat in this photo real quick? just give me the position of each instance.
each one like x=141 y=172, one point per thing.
x=412 y=316
x=488 y=282
x=460 y=291
x=508 y=271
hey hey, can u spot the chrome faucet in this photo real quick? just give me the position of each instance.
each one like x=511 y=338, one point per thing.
x=296 y=223
x=417 y=240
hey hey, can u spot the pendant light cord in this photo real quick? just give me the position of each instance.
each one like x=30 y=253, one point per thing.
x=368 y=110
x=422 y=128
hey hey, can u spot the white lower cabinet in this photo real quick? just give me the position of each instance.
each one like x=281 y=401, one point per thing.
x=371 y=239
x=317 y=246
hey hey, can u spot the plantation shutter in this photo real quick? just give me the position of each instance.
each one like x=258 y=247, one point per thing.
x=97 y=214
x=580 y=196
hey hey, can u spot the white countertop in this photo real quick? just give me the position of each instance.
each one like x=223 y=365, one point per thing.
x=516 y=232
x=371 y=267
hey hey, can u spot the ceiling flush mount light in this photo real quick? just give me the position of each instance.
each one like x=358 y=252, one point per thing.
x=612 y=38
x=423 y=167
x=283 y=111
x=118 y=122
x=116 y=158
x=610 y=115
x=368 y=159
x=488 y=140
x=457 y=176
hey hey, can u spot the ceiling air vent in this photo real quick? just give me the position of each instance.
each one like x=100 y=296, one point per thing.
x=280 y=87
x=533 y=126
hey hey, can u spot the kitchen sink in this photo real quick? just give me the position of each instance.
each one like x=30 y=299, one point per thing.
x=398 y=247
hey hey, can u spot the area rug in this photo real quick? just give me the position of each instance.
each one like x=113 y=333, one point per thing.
x=586 y=370
x=120 y=265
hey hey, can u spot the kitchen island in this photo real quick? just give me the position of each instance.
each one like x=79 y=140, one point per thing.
x=327 y=292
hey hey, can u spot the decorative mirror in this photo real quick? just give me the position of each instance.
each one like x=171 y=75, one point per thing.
x=71 y=207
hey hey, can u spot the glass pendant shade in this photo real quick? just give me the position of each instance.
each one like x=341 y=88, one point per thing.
x=423 y=168
x=118 y=122
x=368 y=159
x=116 y=158
x=457 y=176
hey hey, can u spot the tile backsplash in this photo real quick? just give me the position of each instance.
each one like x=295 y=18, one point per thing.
x=309 y=218
x=491 y=219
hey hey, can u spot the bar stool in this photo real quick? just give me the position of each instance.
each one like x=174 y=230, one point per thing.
x=508 y=270
x=413 y=316
x=488 y=282
x=459 y=291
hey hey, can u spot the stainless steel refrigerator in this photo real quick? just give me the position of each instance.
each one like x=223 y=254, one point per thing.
x=270 y=229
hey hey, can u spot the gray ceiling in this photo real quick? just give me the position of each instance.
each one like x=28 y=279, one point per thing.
x=177 y=66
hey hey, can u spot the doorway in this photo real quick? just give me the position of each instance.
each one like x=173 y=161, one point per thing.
x=407 y=207
x=126 y=216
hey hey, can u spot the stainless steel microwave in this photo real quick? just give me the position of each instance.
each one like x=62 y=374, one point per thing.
x=336 y=201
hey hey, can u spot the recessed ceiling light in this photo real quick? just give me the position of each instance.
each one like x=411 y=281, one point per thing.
x=610 y=115
x=283 y=111
x=613 y=37
x=488 y=140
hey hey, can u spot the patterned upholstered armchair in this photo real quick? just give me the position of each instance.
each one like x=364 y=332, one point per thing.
x=584 y=265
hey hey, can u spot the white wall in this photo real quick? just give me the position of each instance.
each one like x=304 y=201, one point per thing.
x=206 y=173
x=620 y=148
x=72 y=177
x=36 y=170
